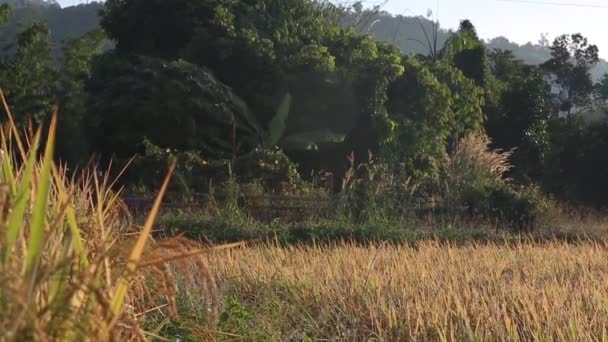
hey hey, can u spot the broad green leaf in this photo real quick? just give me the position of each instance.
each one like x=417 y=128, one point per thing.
x=278 y=124
x=76 y=242
x=36 y=236
x=16 y=216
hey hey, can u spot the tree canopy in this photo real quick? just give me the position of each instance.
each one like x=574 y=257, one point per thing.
x=571 y=59
x=226 y=79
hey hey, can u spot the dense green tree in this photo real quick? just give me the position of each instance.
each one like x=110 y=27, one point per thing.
x=524 y=124
x=467 y=52
x=431 y=107
x=274 y=47
x=34 y=80
x=466 y=101
x=505 y=67
x=251 y=45
x=592 y=167
x=518 y=113
x=175 y=105
x=162 y=28
x=353 y=90
x=567 y=138
x=75 y=71
x=572 y=57
x=600 y=94
x=264 y=49
x=420 y=107
x=29 y=75
x=373 y=67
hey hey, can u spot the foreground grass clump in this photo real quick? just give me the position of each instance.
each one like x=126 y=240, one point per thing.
x=72 y=267
x=527 y=291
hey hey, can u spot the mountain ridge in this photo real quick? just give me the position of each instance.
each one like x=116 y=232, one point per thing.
x=410 y=33
x=64 y=23
x=31 y=3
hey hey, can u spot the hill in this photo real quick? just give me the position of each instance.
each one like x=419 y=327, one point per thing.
x=64 y=23
x=30 y=3
x=537 y=54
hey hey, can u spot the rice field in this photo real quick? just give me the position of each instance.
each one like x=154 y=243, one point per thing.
x=524 y=291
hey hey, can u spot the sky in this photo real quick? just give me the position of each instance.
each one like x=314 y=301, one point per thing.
x=520 y=21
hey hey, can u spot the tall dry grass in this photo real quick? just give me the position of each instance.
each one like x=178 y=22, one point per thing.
x=473 y=157
x=71 y=267
x=430 y=292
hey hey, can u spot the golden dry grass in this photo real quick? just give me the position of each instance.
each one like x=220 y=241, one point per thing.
x=546 y=292
x=71 y=267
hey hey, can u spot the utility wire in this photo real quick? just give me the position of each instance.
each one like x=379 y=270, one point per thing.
x=551 y=3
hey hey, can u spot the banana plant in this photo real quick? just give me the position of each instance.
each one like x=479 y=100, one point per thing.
x=278 y=124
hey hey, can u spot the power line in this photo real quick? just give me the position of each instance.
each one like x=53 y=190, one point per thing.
x=550 y=3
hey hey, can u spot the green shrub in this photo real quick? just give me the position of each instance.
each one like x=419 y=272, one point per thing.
x=191 y=174
x=236 y=317
x=174 y=104
x=507 y=205
x=271 y=168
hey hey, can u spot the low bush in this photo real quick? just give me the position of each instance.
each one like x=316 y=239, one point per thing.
x=522 y=209
x=270 y=170
x=473 y=178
